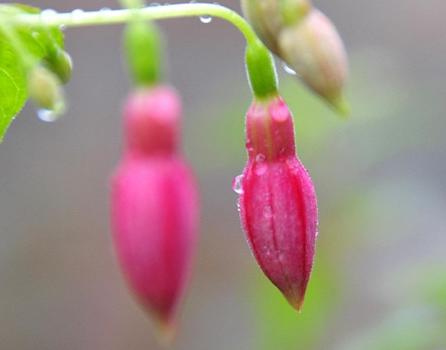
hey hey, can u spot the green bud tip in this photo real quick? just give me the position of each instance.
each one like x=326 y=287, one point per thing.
x=340 y=106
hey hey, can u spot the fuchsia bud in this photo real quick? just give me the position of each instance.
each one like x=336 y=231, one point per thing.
x=277 y=200
x=154 y=204
x=314 y=49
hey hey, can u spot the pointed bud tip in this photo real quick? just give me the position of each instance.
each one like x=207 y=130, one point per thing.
x=340 y=106
x=296 y=303
x=165 y=333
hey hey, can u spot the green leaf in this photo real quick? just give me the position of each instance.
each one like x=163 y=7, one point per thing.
x=12 y=86
x=39 y=42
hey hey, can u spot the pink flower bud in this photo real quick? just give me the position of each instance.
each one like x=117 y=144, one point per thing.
x=277 y=200
x=314 y=49
x=154 y=205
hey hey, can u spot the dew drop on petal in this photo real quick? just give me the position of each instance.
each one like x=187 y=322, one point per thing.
x=260 y=169
x=282 y=258
x=260 y=158
x=237 y=184
x=267 y=212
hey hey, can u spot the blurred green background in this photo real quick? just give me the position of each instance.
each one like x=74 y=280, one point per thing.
x=380 y=274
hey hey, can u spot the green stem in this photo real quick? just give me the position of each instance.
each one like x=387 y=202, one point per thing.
x=260 y=66
x=90 y=18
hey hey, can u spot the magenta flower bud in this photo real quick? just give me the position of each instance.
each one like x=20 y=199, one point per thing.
x=154 y=205
x=277 y=200
x=152 y=122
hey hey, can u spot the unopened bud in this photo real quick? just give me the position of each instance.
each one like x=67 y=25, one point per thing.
x=45 y=89
x=277 y=200
x=155 y=205
x=269 y=17
x=61 y=64
x=315 y=51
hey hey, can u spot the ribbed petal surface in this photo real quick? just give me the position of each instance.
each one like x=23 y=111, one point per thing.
x=277 y=201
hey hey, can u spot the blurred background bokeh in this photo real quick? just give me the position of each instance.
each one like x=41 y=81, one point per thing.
x=380 y=272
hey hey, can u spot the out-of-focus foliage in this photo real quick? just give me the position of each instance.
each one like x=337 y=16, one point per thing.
x=278 y=323
x=37 y=42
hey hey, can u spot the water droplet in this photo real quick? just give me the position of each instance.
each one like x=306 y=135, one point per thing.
x=237 y=184
x=47 y=14
x=77 y=13
x=288 y=69
x=260 y=158
x=282 y=257
x=206 y=19
x=47 y=115
x=260 y=169
x=267 y=213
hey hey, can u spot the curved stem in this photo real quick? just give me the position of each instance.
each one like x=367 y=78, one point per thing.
x=261 y=69
x=79 y=18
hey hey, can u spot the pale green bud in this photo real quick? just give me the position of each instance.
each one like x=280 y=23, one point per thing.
x=269 y=17
x=315 y=51
x=44 y=87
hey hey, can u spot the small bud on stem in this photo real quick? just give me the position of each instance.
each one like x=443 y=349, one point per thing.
x=45 y=89
x=314 y=49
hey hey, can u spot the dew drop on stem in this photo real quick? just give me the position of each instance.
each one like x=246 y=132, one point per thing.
x=205 y=19
x=76 y=13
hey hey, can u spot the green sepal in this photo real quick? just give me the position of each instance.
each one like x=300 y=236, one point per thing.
x=60 y=63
